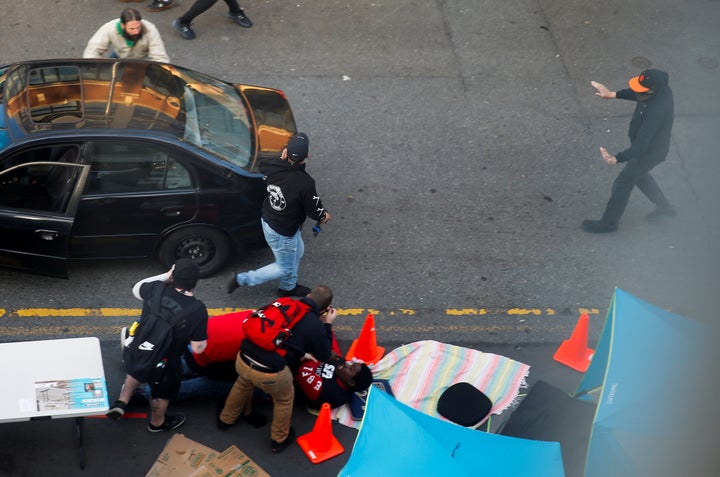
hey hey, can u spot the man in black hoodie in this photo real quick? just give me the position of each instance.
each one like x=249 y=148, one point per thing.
x=291 y=198
x=649 y=133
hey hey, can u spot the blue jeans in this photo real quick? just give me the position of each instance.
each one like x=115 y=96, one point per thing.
x=196 y=386
x=287 y=251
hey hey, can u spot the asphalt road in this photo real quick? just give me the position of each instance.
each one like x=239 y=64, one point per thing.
x=456 y=145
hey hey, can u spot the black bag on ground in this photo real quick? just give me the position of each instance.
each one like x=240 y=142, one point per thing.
x=464 y=404
x=152 y=338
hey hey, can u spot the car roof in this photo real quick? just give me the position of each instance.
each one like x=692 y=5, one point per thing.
x=47 y=95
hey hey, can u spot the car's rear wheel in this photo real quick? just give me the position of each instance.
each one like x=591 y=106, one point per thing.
x=206 y=246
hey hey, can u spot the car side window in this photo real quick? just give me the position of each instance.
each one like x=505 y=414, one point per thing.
x=132 y=168
x=33 y=180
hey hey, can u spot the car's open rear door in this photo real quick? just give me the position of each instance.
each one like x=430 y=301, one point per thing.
x=36 y=219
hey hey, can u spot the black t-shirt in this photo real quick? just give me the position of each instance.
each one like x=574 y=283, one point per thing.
x=189 y=318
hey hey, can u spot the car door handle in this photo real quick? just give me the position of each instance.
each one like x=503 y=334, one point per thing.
x=47 y=234
x=171 y=211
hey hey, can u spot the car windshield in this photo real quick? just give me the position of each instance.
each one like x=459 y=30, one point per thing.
x=216 y=118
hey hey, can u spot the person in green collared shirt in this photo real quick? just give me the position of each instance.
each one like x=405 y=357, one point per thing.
x=127 y=37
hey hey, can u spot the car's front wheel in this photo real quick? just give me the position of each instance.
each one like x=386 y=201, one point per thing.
x=208 y=247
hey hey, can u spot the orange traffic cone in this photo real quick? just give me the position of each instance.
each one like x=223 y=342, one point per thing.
x=365 y=347
x=320 y=444
x=574 y=352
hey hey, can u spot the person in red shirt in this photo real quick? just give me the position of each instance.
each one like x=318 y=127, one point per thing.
x=332 y=382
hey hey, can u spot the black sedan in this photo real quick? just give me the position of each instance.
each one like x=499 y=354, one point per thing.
x=121 y=159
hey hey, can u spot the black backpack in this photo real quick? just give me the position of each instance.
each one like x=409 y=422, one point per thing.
x=149 y=345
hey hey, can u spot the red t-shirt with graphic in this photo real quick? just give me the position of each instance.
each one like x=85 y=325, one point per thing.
x=318 y=382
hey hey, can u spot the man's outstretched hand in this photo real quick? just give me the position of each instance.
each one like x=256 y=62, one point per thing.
x=602 y=90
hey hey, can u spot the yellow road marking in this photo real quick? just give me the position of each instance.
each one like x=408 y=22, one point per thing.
x=111 y=330
x=131 y=312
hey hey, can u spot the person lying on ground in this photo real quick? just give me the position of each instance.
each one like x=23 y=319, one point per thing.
x=331 y=382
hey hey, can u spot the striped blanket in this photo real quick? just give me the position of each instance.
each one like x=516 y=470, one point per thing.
x=419 y=372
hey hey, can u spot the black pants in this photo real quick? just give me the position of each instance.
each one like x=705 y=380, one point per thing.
x=201 y=6
x=635 y=173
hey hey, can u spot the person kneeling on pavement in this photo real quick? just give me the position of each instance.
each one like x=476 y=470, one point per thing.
x=211 y=373
x=273 y=373
x=188 y=317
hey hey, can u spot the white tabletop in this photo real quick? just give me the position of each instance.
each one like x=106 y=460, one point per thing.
x=52 y=378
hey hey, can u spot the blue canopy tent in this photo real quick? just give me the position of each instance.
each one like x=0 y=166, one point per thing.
x=395 y=439
x=652 y=369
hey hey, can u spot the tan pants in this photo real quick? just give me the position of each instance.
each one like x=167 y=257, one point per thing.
x=278 y=385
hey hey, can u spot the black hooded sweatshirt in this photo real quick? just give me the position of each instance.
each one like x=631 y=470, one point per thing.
x=291 y=196
x=651 y=123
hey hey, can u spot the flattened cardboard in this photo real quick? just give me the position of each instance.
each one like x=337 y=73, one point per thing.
x=180 y=458
x=232 y=462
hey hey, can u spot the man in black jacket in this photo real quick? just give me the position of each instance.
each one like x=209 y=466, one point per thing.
x=273 y=373
x=649 y=133
x=291 y=198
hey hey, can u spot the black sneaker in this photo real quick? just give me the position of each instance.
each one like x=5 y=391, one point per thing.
x=255 y=419
x=299 y=290
x=184 y=30
x=160 y=5
x=170 y=423
x=278 y=447
x=661 y=213
x=117 y=411
x=232 y=284
x=597 y=227
x=223 y=426
x=241 y=19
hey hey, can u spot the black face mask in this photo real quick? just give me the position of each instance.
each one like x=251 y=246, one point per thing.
x=644 y=96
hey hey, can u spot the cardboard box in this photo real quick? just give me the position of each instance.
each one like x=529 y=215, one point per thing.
x=180 y=458
x=232 y=462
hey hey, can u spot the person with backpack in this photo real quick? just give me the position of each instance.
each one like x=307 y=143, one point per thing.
x=309 y=331
x=168 y=299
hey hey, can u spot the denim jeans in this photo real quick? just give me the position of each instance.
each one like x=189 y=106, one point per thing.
x=287 y=251
x=196 y=386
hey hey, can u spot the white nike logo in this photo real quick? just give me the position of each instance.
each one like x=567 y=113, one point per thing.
x=146 y=346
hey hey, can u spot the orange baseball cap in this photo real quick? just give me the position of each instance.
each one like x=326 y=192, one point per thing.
x=642 y=83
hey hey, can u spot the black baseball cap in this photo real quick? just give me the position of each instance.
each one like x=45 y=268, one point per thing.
x=185 y=274
x=643 y=82
x=297 y=148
